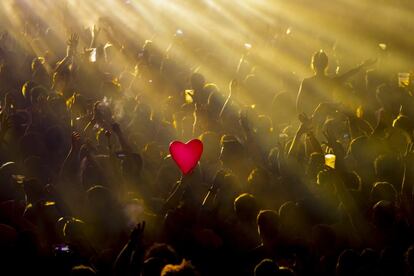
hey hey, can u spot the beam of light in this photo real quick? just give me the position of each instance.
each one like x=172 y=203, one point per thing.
x=228 y=25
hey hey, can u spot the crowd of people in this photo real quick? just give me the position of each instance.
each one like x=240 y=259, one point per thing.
x=308 y=177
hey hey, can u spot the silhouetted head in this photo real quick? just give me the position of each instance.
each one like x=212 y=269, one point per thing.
x=74 y=231
x=82 y=270
x=152 y=266
x=232 y=151
x=246 y=208
x=319 y=62
x=268 y=225
x=285 y=271
x=383 y=214
x=210 y=88
x=404 y=122
x=163 y=252
x=369 y=257
x=183 y=269
x=352 y=181
x=383 y=191
x=348 y=263
x=409 y=260
x=266 y=267
x=100 y=198
x=197 y=81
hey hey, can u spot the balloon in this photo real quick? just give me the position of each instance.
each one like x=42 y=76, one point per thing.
x=186 y=155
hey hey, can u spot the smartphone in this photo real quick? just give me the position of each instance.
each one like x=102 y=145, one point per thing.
x=121 y=154
x=403 y=79
x=62 y=248
x=382 y=46
x=189 y=95
x=92 y=55
x=50 y=203
x=330 y=160
x=179 y=32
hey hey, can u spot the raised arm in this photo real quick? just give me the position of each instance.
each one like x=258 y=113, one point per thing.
x=71 y=50
x=71 y=165
x=407 y=182
x=130 y=259
x=95 y=34
x=233 y=87
x=300 y=102
x=304 y=127
x=208 y=202
x=344 y=77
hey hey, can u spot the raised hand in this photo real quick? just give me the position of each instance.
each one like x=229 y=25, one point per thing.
x=72 y=43
x=95 y=31
x=136 y=237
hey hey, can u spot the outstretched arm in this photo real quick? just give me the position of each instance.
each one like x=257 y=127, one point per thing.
x=95 y=34
x=129 y=260
x=234 y=86
x=208 y=202
x=344 y=77
x=175 y=196
x=71 y=164
x=304 y=127
x=299 y=100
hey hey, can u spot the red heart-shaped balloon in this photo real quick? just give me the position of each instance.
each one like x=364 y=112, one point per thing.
x=186 y=155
